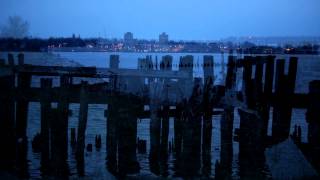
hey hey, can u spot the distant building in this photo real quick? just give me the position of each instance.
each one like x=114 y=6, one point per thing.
x=163 y=38
x=128 y=38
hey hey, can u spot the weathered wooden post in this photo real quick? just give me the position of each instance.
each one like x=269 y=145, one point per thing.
x=155 y=125
x=7 y=134
x=127 y=130
x=284 y=90
x=185 y=89
x=251 y=147
x=267 y=92
x=208 y=69
x=20 y=59
x=45 y=104
x=58 y=166
x=63 y=108
x=165 y=65
x=247 y=81
x=114 y=61
x=227 y=121
x=252 y=118
x=112 y=120
x=73 y=141
x=112 y=136
x=83 y=115
x=2 y=62
x=10 y=59
x=191 y=148
x=313 y=119
x=24 y=82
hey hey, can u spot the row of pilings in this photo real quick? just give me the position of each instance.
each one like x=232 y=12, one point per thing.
x=195 y=100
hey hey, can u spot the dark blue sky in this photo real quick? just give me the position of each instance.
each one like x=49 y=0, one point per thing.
x=181 y=19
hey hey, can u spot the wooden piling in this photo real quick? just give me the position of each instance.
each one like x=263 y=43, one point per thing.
x=45 y=105
x=58 y=165
x=112 y=137
x=208 y=67
x=24 y=82
x=7 y=117
x=63 y=108
x=251 y=148
x=10 y=59
x=226 y=142
x=312 y=117
x=313 y=114
x=267 y=92
x=20 y=59
x=284 y=90
x=114 y=61
x=127 y=130
x=247 y=82
x=82 y=124
x=83 y=115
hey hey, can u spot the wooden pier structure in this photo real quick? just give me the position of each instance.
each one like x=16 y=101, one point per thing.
x=191 y=101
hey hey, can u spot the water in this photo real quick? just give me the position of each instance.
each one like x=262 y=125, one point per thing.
x=308 y=69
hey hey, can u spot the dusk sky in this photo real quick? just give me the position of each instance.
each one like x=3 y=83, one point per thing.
x=181 y=19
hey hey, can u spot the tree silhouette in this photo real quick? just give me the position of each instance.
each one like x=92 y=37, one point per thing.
x=16 y=27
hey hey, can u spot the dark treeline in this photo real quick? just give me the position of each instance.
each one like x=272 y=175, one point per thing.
x=37 y=44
